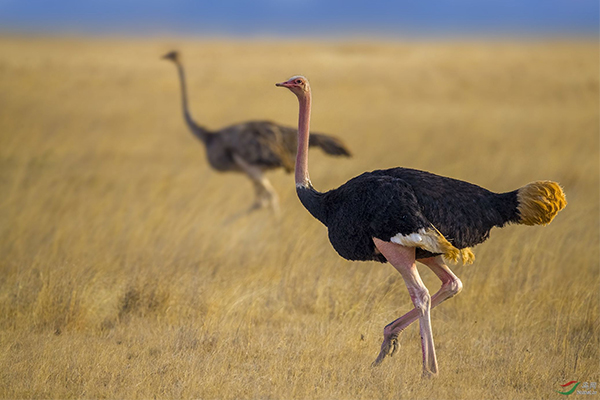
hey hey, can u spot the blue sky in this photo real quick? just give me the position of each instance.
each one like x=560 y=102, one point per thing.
x=302 y=17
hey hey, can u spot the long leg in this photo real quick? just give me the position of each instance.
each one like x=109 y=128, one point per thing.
x=451 y=286
x=403 y=259
x=265 y=193
x=261 y=196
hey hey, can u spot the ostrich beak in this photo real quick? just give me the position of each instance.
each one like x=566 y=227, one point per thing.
x=283 y=84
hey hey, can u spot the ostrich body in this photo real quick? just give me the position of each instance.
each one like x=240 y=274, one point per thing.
x=402 y=215
x=252 y=147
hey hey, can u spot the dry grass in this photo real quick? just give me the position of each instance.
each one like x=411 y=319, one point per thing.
x=118 y=278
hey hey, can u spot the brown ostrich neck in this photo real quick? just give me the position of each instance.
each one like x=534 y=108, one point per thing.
x=196 y=129
x=184 y=99
x=301 y=174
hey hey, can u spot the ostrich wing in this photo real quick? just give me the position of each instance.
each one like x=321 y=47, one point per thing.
x=259 y=143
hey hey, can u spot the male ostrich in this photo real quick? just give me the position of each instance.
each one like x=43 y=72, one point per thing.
x=401 y=215
x=252 y=147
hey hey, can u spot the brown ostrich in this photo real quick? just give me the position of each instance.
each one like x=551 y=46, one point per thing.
x=252 y=147
x=404 y=215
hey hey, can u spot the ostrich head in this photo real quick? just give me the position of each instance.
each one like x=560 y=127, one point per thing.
x=297 y=84
x=172 y=55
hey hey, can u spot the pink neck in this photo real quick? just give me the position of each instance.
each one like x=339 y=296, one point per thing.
x=301 y=174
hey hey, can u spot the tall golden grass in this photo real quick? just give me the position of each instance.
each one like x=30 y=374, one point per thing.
x=120 y=279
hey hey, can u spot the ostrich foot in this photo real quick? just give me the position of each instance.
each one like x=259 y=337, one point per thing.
x=428 y=374
x=388 y=348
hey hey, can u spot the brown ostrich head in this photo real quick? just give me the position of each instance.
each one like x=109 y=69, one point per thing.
x=172 y=55
x=297 y=84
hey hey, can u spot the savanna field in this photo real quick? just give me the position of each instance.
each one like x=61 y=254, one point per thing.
x=123 y=275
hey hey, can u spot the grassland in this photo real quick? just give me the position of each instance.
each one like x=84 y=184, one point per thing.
x=119 y=278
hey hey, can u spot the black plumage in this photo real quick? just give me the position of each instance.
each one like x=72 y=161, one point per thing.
x=385 y=203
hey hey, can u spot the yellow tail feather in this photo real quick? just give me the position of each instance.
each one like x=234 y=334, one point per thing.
x=539 y=202
x=448 y=251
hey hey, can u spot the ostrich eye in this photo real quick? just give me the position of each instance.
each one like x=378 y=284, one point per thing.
x=298 y=81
